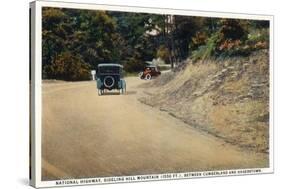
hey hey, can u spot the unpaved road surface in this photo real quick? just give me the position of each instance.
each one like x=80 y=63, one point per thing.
x=86 y=135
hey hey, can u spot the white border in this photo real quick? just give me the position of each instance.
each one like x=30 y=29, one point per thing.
x=37 y=81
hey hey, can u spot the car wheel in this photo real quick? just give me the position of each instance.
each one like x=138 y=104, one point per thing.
x=148 y=77
x=109 y=81
x=124 y=91
x=99 y=92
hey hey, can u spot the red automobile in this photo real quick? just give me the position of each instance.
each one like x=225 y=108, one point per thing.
x=149 y=72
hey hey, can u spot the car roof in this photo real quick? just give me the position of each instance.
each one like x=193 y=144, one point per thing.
x=110 y=64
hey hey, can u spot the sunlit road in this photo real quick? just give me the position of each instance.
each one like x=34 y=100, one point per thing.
x=86 y=135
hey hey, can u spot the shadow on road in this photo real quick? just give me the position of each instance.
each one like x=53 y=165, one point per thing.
x=131 y=92
x=110 y=93
x=117 y=93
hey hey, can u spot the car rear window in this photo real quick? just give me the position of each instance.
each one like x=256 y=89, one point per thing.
x=109 y=70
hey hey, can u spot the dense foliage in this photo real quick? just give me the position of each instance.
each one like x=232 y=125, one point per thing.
x=232 y=37
x=76 y=41
x=68 y=67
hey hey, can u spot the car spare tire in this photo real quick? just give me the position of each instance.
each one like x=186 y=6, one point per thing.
x=108 y=81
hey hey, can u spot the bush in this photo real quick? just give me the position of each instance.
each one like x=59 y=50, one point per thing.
x=258 y=39
x=133 y=65
x=206 y=51
x=198 y=40
x=233 y=38
x=163 y=53
x=68 y=67
x=232 y=29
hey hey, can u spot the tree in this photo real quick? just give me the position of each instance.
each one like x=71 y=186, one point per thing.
x=83 y=33
x=68 y=67
x=93 y=37
x=163 y=53
x=53 y=34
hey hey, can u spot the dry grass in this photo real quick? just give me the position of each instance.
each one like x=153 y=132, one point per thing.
x=207 y=96
x=240 y=124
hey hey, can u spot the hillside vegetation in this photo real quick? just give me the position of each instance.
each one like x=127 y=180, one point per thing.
x=228 y=98
x=75 y=41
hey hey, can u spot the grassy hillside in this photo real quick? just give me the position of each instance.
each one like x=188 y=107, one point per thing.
x=228 y=98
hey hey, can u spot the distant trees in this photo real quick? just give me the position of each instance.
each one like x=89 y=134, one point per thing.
x=68 y=67
x=76 y=35
x=76 y=41
x=134 y=40
x=164 y=53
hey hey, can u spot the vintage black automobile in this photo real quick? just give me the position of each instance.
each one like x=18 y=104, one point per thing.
x=109 y=76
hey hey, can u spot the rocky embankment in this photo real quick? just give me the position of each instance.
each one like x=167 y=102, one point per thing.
x=228 y=98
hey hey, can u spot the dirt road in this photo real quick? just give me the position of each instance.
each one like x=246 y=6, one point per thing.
x=86 y=135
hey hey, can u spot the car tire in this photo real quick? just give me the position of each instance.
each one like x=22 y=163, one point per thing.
x=148 y=77
x=112 y=81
